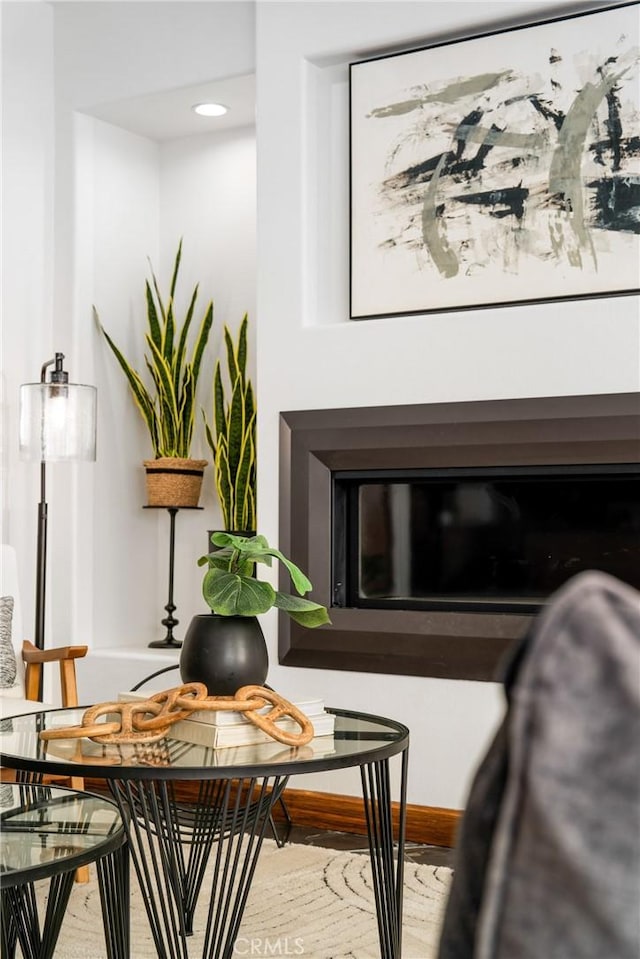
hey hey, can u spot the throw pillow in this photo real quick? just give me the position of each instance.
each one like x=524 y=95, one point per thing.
x=8 y=668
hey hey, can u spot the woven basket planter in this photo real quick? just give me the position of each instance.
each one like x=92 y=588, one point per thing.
x=172 y=481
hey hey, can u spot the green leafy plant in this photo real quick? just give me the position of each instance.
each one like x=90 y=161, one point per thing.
x=234 y=446
x=230 y=588
x=168 y=407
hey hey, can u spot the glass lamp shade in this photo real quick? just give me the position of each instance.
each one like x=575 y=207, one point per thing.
x=57 y=422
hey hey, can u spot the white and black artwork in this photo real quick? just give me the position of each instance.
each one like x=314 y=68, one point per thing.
x=498 y=170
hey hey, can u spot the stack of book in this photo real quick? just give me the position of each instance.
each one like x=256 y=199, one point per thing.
x=224 y=728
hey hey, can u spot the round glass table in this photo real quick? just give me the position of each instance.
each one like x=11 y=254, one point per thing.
x=221 y=826
x=48 y=833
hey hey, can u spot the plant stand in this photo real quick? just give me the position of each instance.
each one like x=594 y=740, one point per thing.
x=169 y=641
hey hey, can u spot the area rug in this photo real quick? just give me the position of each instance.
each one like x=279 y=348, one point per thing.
x=305 y=901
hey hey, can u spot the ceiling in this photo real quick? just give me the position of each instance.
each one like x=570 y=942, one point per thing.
x=165 y=116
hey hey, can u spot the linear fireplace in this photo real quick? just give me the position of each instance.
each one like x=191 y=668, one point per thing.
x=498 y=539
x=436 y=532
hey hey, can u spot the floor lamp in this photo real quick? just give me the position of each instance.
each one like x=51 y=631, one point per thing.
x=57 y=423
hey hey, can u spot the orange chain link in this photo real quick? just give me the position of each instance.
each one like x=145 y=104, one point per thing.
x=151 y=719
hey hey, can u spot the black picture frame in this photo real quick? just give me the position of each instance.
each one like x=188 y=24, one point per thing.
x=498 y=169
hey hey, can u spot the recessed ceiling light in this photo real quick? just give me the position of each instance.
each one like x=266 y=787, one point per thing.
x=210 y=109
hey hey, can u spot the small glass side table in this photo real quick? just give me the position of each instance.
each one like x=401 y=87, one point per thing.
x=47 y=833
x=219 y=830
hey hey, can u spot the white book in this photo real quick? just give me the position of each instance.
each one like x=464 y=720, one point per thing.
x=258 y=752
x=243 y=734
x=229 y=717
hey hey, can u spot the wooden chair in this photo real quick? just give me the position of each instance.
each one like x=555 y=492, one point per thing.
x=34 y=660
x=28 y=664
x=22 y=663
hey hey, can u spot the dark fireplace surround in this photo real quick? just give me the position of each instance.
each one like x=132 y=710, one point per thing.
x=548 y=431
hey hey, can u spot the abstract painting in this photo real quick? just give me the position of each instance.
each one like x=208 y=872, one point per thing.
x=497 y=170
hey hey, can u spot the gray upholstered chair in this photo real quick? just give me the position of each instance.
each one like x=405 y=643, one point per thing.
x=548 y=855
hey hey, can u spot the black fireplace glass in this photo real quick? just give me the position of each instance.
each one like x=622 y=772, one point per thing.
x=481 y=539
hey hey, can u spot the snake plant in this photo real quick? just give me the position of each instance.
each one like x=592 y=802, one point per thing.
x=230 y=589
x=168 y=406
x=234 y=446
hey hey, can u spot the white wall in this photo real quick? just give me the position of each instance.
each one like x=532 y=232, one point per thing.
x=117 y=176
x=27 y=205
x=311 y=356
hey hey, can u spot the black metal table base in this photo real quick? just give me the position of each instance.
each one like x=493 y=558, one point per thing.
x=387 y=868
x=172 y=844
x=21 y=922
x=114 y=885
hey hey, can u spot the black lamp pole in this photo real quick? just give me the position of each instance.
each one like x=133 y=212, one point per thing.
x=62 y=377
x=41 y=563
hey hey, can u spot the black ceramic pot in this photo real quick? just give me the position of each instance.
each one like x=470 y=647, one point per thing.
x=224 y=653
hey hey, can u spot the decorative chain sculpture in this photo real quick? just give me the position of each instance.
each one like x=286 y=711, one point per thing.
x=150 y=719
